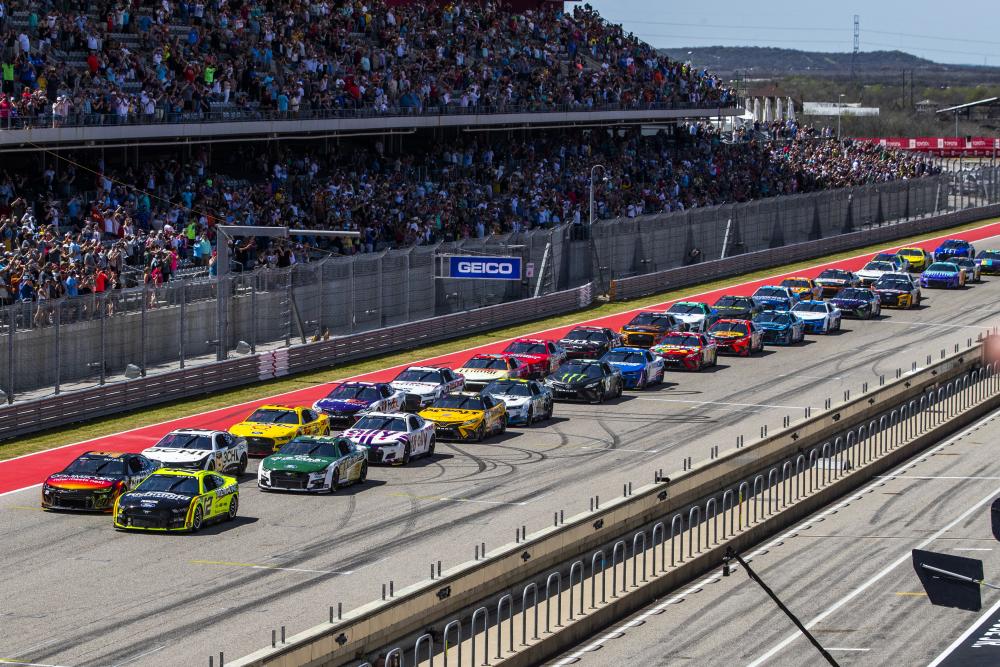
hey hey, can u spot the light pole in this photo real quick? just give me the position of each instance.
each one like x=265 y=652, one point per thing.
x=840 y=105
x=603 y=178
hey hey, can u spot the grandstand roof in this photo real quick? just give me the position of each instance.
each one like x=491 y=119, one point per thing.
x=989 y=101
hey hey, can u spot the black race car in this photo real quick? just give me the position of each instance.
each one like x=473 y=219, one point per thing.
x=585 y=380
x=732 y=307
x=896 y=292
x=94 y=480
x=832 y=281
x=589 y=342
x=858 y=302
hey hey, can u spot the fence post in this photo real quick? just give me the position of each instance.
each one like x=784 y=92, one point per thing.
x=58 y=355
x=183 y=323
x=253 y=314
x=11 y=330
x=103 y=350
x=142 y=329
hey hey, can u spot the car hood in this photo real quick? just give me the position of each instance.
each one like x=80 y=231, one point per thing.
x=341 y=404
x=81 y=482
x=848 y=303
x=773 y=326
x=727 y=334
x=483 y=373
x=729 y=311
x=831 y=281
x=572 y=379
x=174 y=455
x=809 y=315
x=300 y=463
x=689 y=317
x=947 y=275
x=154 y=500
x=373 y=438
x=674 y=350
x=530 y=358
x=415 y=387
x=512 y=401
x=642 y=328
x=251 y=429
x=450 y=414
x=626 y=367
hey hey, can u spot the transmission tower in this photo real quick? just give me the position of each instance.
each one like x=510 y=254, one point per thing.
x=857 y=45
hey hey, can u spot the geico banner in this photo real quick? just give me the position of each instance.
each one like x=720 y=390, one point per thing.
x=485 y=268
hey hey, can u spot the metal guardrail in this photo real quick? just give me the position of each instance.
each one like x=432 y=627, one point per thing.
x=748 y=472
x=119 y=396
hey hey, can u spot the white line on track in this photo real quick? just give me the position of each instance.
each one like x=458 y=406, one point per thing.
x=935 y=324
x=536 y=334
x=141 y=655
x=252 y=566
x=738 y=405
x=964 y=635
x=778 y=541
x=24 y=488
x=613 y=449
x=4 y=661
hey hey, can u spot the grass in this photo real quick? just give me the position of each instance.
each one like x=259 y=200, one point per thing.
x=189 y=406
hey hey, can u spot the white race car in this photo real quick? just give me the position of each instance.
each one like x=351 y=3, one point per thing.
x=697 y=315
x=200 y=449
x=527 y=401
x=392 y=437
x=428 y=383
x=819 y=316
x=873 y=271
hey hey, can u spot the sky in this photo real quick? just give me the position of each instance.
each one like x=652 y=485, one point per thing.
x=921 y=27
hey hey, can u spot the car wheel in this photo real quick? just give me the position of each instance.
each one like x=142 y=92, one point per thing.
x=641 y=384
x=788 y=337
x=210 y=466
x=430 y=447
x=531 y=417
x=234 y=506
x=406 y=454
x=363 y=475
x=335 y=481
x=600 y=396
x=242 y=468
x=503 y=425
x=480 y=433
x=197 y=519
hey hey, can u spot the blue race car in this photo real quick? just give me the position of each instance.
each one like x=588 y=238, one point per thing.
x=639 y=367
x=348 y=401
x=774 y=297
x=943 y=274
x=858 y=302
x=780 y=327
x=989 y=261
x=953 y=248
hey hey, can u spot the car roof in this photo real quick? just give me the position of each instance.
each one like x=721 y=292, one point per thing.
x=691 y=303
x=319 y=438
x=588 y=328
x=385 y=414
x=797 y=278
x=275 y=406
x=180 y=472
x=531 y=340
x=195 y=431
x=627 y=348
x=741 y=320
x=107 y=455
x=489 y=355
x=361 y=383
x=424 y=368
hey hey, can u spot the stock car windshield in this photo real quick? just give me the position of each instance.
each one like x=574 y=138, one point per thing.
x=911 y=252
x=584 y=334
x=310 y=448
x=682 y=340
x=810 y=308
x=412 y=375
x=943 y=267
x=879 y=266
x=853 y=293
x=738 y=327
x=375 y=423
x=508 y=388
x=526 y=348
x=590 y=370
x=792 y=282
x=778 y=316
x=459 y=402
x=187 y=486
x=186 y=441
x=347 y=392
x=835 y=274
x=686 y=309
x=625 y=357
x=732 y=302
x=657 y=319
x=894 y=283
x=96 y=465
x=486 y=362
x=771 y=291
x=886 y=257
x=953 y=244
x=274 y=417
x=989 y=254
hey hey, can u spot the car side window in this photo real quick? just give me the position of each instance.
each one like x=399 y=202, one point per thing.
x=134 y=465
x=209 y=483
x=552 y=348
x=414 y=424
x=447 y=376
x=488 y=402
x=343 y=448
x=220 y=441
x=535 y=391
x=384 y=391
x=514 y=363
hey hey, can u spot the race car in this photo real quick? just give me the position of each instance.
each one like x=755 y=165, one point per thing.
x=943 y=274
x=832 y=281
x=989 y=261
x=689 y=350
x=897 y=291
x=467 y=416
x=199 y=449
x=586 y=380
x=859 y=302
x=774 y=297
x=94 y=480
x=271 y=426
x=918 y=258
x=349 y=400
x=898 y=262
x=178 y=500
x=973 y=272
x=952 y=248
x=872 y=271
x=527 y=401
x=740 y=337
x=482 y=369
x=393 y=437
x=639 y=367
x=697 y=315
x=819 y=317
x=803 y=288
x=736 y=307
x=648 y=327
x=314 y=465
x=541 y=356
x=780 y=327
x=428 y=382
x=589 y=342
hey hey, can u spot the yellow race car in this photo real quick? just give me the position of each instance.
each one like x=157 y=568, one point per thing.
x=271 y=426
x=177 y=500
x=466 y=416
x=918 y=258
x=804 y=288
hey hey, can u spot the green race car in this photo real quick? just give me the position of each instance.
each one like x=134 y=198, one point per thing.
x=178 y=500
x=316 y=464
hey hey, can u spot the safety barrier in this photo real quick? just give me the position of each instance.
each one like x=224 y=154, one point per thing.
x=749 y=484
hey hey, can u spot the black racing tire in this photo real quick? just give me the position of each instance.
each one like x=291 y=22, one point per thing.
x=234 y=507
x=480 y=433
x=641 y=384
x=335 y=480
x=503 y=425
x=406 y=454
x=242 y=468
x=548 y=413
x=621 y=389
x=531 y=417
x=600 y=396
x=788 y=337
x=430 y=447
x=363 y=475
x=198 y=519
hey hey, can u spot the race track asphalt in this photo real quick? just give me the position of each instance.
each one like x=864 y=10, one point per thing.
x=78 y=593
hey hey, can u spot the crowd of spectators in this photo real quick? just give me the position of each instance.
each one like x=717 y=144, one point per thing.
x=143 y=60
x=75 y=231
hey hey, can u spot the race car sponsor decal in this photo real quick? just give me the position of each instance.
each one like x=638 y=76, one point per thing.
x=227 y=490
x=158 y=495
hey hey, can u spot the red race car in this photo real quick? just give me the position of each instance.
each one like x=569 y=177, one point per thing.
x=94 y=480
x=541 y=356
x=741 y=337
x=689 y=350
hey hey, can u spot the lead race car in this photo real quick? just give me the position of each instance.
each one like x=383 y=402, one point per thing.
x=349 y=400
x=200 y=449
x=393 y=437
x=178 y=500
x=315 y=465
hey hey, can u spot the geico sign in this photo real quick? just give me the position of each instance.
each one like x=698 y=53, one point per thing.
x=501 y=268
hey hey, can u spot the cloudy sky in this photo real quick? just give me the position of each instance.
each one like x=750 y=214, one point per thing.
x=922 y=27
